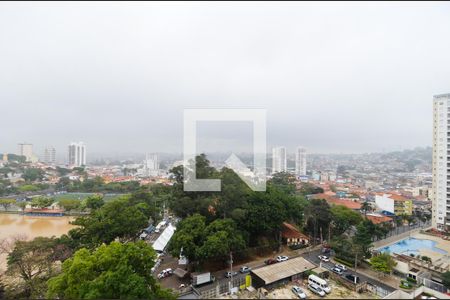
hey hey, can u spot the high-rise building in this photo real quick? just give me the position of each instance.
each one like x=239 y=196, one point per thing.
x=300 y=161
x=50 y=155
x=26 y=150
x=279 y=163
x=441 y=162
x=77 y=154
x=151 y=165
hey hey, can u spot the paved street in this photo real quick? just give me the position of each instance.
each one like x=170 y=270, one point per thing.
x=313 y=257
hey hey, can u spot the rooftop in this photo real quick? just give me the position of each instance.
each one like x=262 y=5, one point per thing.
x=282 y=270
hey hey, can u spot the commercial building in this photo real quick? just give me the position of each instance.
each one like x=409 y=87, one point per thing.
x=77 y=154
x=50 y=155
x=394 y=204
x=26 y=150
x=279 y=163
x=441 y=162
x=300 y=161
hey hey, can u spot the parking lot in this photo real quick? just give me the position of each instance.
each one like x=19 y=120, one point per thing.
x=337 y=292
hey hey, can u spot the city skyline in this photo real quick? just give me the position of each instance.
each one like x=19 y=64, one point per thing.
x=317 y=66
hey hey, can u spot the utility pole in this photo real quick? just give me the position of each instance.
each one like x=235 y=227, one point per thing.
x=231 y=271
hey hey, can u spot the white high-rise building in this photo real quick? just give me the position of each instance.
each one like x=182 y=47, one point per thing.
x=279 y=163
x=26 y=150
x=151 y=165
x=50 y=155
x=300 y=161
x=77 y=154
x=441 y=162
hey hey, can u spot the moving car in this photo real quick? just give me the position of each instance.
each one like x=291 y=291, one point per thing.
x=316 y=289
x=244 y=269
x=324 y=258
x=229 y=274
x=337 y=270
x=340 y=266
x=270 y=261
x=352 y=278
x=299 y=292
x=282 y=258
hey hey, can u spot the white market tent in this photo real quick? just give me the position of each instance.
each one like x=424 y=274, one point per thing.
x=162 y=241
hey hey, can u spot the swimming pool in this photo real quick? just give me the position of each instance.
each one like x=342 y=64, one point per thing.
x=412 y=245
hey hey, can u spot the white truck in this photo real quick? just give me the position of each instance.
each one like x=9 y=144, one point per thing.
x=201 y=278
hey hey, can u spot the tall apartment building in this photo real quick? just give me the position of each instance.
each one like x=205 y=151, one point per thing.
x=77 y=154
x=300 y=161
x=441 y=162
x=26 y=150
x=279 y=163
x=151 y=165
x=50 y=155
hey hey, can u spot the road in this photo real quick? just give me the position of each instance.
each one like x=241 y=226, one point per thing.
x=313 y=257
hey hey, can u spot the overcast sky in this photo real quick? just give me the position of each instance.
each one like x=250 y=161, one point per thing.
x=333 y=77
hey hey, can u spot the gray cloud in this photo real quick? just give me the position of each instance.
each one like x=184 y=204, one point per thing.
x=333 y=78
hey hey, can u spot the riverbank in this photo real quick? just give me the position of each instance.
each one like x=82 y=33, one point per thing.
x=14 y=225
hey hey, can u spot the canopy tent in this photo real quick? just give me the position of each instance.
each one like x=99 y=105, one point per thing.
x=162 y=241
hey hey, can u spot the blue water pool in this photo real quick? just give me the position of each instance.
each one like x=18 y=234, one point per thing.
x=412 y=245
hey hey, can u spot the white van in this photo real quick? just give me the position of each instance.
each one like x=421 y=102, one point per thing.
x=313 y=279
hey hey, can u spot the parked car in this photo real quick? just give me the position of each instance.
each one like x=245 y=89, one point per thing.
x=244 y=269
x=324 y=258
x=165 y=273
x=340 y=266
x=299 y=292
x=229 y=274
x=282 y=258
x=352 y=278
x=316 y=289
x=337 y=270
x=270 y=261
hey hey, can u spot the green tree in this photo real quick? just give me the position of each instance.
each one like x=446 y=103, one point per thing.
x=33 y=174
x=69 y=204
x=222 y=237
x=201 y=242
x=284 y=181
x=95 y=202
x=363 y=237
x=114 y=271
x=366 y=207
x=6 y=203
x=265 y=213
x=318 y=217
x=446 y=279
x=343 y=218
x=41 y=202
x=32 y=261
x=116 y=219
x=189 y=235
x=22 y=205
x=383 y=263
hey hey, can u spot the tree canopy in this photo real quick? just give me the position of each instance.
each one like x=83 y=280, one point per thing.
x=114 y=271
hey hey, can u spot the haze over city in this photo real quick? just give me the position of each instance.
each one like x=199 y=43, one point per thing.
x=334 y=78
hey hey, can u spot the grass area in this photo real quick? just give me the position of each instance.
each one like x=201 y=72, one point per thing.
x=82 y=196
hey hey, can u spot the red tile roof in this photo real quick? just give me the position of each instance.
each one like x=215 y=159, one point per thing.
x=378 y=219
x=289 y=231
